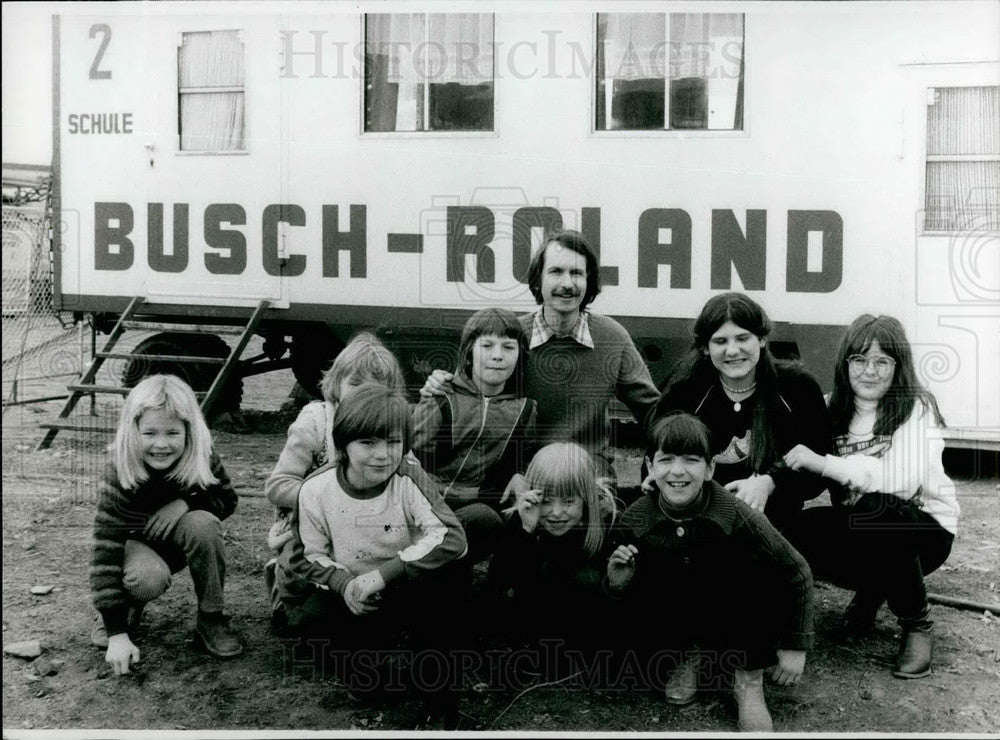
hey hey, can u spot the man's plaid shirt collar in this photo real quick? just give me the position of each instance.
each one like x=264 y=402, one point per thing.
x=541 y=332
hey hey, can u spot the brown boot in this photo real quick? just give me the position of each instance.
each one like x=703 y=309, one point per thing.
x=212 y=629
x=748 y=689
x=683 y=683
x=915 y=652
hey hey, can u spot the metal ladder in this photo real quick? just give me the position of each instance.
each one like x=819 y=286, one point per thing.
x=86 y=385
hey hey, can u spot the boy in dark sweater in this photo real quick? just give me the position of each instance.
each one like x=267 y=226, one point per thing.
x=737 y=591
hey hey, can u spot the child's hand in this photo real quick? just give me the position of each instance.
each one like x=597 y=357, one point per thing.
x=437 y=383
x=162 y=522
x=649 y=484
x=121 y=654
x=352 y=597
x=370 y=584
x=754 y=491
x=621 y=566
x=363 y=593
x=791 y=664
x=528 y=507
x=518 y=484
x=801 y=457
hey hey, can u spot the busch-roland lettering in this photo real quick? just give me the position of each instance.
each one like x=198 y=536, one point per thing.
x=664 y=237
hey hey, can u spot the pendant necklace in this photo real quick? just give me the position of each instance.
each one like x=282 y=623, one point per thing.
x=737 y=405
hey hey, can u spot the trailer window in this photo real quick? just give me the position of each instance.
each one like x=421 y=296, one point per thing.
x=428 y=72
x=963 y=159
x=210 y=91
x=673 y=71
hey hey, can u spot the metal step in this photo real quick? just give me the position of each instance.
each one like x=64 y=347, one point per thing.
x=182 y=328
x=88 y=388
x=71 y=426
x=162 y=358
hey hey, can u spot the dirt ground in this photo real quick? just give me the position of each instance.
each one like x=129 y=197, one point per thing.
x=48 y=509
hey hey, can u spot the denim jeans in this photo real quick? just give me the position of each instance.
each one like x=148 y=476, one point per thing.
x=196 y=542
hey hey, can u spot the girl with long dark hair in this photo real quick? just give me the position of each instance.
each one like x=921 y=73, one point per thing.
x=894 y=514
x=757 y=408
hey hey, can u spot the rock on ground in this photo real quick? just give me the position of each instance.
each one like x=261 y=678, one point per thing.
x=29 y=649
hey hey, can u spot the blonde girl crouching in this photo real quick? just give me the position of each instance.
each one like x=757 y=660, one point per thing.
x=551 y=561
x=160 y=505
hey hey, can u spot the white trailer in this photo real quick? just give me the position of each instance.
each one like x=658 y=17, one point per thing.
x=392 y=165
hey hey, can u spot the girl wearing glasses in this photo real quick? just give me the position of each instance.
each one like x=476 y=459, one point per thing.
x=895 y=513
x=756 y=408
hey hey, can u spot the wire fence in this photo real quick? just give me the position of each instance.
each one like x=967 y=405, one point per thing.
x=43 y=352
x=37 y=347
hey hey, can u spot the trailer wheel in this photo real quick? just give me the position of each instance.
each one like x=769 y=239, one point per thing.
x=198 y=375
x=313 y=350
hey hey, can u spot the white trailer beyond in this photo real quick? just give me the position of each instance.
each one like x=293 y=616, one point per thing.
x=392 y=165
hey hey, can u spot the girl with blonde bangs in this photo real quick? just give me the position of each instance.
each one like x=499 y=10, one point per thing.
x=564 y=471
x=553 y=557
x=174 y=397
x=160 y=505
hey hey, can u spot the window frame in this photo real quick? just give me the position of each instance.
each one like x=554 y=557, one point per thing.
x=447 y=134
x=243 y=35
x=928 y=89
x=670 y=133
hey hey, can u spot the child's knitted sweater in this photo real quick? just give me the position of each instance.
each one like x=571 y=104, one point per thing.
x=122 y=515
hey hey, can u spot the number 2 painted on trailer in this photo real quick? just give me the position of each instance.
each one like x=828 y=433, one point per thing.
x=105 y=30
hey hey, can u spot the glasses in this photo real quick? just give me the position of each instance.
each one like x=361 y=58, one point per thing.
x=883 y=364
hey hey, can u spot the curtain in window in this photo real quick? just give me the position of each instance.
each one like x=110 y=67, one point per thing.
x=394 y=38
x=964 y=120
x=706 y=65
x=634 y=45
x=961 y=195
x=443 y=47
x=460 y=48
x=209 y=120
x=211 y=59
x=212 y=122
x=420 y=70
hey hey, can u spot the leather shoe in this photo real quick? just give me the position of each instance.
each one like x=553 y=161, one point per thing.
x=216 y=636
x=914 y=660
x=683 y=684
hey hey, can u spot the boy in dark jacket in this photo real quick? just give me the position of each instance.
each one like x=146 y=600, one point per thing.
x=736 y=590
x=477 y=435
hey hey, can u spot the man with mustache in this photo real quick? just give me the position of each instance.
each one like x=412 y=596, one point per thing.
x=577 y=360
